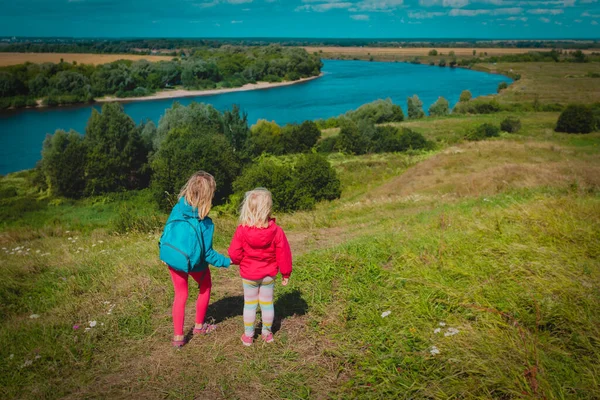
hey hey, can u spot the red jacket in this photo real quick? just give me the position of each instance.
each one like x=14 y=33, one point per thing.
x=261 y=252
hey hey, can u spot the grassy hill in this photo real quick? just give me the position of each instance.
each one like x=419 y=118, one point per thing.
x=486 y=255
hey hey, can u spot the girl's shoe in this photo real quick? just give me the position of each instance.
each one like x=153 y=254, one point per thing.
x=205 y=330
x=246 y=340
x=268 y=338
x=178 y=343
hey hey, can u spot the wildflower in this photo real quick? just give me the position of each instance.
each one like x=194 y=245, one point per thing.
x=442 y=324
x=87 y=329
x=437 y=330
x=75 y=327
x=451 y=332
x=385 y=314
x=94 y=245
x=92 y=324
x=70 y=238
x=11 y=356
x=34 y=316
x=434 y=350
x=37 y=357
x=27 y=363
x=67 y=231
x=100 y=241
x=62 y=278
x=37 y=252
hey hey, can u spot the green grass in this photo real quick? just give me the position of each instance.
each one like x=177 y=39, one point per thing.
x=497 y=239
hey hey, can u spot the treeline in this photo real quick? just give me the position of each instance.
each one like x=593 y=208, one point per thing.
x=117 y=155
x=69 y=83
x=119 y=46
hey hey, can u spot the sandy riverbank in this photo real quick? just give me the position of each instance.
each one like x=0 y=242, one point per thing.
x=179 y=93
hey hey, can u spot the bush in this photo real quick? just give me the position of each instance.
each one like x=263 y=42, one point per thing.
x=300 y=138
x=63 y=164
x=328 y=145
x=442 y=63
x=483 y=131
x=391 y=139
x=576 y=118
x=352 y=139
x=510 y=125
x=465 y=96
x=415 y=107
x=502 y=86
x=378 y=112
x=265 y=137
x=440 y=108
x=294 y=187
x=433 y=52
x=476 y=107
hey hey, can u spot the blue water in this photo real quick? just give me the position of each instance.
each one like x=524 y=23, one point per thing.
x=345 y=85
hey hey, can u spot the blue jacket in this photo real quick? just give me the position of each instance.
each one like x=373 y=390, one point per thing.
x=183 y=209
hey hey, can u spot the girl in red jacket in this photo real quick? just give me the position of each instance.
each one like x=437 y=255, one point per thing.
x=261 y=249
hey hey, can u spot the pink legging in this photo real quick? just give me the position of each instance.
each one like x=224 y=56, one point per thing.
x=180 y=284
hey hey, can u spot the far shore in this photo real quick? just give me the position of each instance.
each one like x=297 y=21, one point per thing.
x=179 y=93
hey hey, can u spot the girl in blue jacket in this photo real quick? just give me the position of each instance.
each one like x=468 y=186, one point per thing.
x=195 y=201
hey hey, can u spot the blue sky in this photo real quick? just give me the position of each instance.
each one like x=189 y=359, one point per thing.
x=302 y=18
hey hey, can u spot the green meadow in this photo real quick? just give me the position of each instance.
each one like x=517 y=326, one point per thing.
x=468 y=271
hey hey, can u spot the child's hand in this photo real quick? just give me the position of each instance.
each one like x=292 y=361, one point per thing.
x=285 y=281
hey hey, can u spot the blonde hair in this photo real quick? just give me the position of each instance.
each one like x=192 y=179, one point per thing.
x=199 y=192
x=256 y=208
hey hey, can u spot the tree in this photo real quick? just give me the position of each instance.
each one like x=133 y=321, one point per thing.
x=415 y=108
x=510 y=124
x=197 y=117
x=316 y=178
x=235 y=127
x=265 y=137
x=117 y=156
x=440 y=108
x=378 y=112
x=63 y=163
x=351 y=139
x=300 y=138
x=483 y=131
x=502 y=86
x=433 y=52
x=184 y=152
x=576 y=118
x=465 y=96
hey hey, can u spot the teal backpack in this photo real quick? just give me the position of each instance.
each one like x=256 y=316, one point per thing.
x=181 y=245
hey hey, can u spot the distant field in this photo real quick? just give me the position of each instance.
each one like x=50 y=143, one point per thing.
x=20 y=58
x=417 y=51
x=549 y=82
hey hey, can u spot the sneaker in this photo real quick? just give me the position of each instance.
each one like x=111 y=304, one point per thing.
x=246 y=340
x=205 y=330
x=268 y=338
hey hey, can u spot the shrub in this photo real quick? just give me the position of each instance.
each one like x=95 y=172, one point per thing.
x=265 y=137
x=328 y=145
x=378 y=112
x=476 y=107
x=391 y=139
x=576 y=118
x=300 y=138
x=502 y=86
x=351 y=139
x=294 y=187
x=415 y=107
x=442 y=63
x=510 y=125
x=433 y=52
x=63 y=163
x=465 y=96
x=483 y=131
x=440 y=108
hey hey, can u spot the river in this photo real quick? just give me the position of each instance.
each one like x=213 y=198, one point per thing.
x=345 y=85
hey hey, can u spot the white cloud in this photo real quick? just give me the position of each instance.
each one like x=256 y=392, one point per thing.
x=238 y=1
x=237 y=22
x=594 y=22
x=430 y=3
x=455 y=3
x=507 y=11
x=360 y=17
x=455 y=12
x=377 y=5
x=578 y=21
x=524 y=19
x=324 y=6
x=545 y=20
x=588 y=14
x=541 y=11
x=424 y=14
x=588 y=1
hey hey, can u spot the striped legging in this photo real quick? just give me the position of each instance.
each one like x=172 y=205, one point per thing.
x=257 y=292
